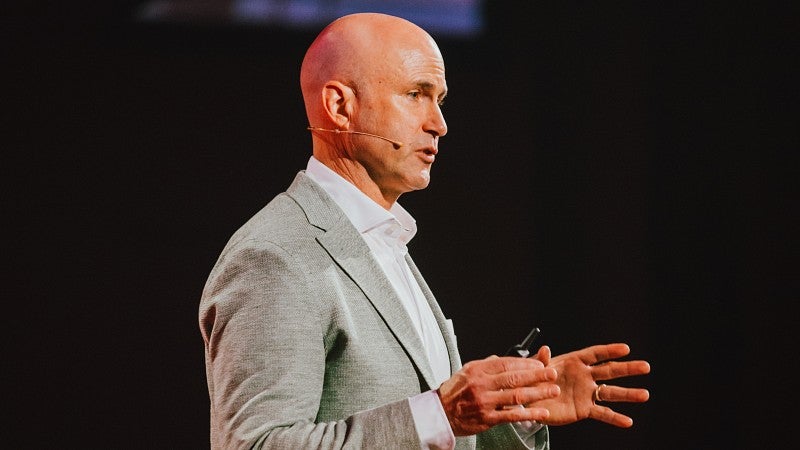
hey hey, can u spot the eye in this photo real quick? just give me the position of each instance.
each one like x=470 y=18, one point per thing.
x=414 y=94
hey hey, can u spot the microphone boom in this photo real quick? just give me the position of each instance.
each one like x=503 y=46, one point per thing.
x=395 y=144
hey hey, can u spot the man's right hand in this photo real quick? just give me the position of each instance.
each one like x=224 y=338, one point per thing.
x=489 y=392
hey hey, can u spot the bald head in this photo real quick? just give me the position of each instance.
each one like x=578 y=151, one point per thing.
x=357 y=50
x=373 y=86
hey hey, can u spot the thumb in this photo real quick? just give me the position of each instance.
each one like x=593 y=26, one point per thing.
x=543 y=355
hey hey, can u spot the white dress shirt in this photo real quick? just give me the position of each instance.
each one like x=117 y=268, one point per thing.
x=387 y=233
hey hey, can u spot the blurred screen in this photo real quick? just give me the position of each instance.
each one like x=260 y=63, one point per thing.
x=462 y=18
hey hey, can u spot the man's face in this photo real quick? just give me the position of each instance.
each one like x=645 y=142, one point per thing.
x=402 y=101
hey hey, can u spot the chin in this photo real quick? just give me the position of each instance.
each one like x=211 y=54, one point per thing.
x=418 y=182
x=423 y=183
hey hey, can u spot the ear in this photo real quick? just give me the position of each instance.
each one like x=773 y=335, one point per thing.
x=338 y=100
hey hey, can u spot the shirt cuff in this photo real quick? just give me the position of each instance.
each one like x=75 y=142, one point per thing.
x=431 y=422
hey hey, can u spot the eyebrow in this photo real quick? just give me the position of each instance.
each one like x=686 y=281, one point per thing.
x=428 y=87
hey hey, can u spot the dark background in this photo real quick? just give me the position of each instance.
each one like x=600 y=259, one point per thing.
x=612 y=172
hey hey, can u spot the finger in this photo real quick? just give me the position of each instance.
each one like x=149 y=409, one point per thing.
x=619 y=369
x=500 y=364
x=521 y=378
x=516 y=414
x=543 y=355
x=522 y=396
x=623 y=394
x=599 y=353
x=609 y=416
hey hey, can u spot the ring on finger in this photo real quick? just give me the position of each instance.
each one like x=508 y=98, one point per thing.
x=597 y=397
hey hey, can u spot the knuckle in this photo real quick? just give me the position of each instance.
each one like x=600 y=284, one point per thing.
x=472 y=390
x=513 y=379
x=468 y=367
x=485 y=414
x=518 y=397
x=480 y=402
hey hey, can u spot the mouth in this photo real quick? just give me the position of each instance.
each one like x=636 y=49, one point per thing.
x=428 y=154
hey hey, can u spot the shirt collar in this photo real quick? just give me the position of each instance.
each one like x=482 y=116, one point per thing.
x=362 y=211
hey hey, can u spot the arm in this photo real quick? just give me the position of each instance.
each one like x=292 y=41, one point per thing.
x=265 y=361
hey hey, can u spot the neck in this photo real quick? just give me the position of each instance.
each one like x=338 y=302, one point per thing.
x=358 y=176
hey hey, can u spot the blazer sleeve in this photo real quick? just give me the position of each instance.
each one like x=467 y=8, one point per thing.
x=505 y=437
x=265 y=342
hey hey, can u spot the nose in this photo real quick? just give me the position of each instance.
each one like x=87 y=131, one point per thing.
x=436 y=124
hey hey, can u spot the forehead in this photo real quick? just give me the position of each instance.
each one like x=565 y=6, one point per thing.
x=422 y=67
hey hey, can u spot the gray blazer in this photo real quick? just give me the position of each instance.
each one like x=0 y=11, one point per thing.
x=306 y=342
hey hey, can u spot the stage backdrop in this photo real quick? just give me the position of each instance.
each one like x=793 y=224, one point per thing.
x=611 y=173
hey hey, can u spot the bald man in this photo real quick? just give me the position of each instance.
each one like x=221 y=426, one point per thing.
x=319 y=330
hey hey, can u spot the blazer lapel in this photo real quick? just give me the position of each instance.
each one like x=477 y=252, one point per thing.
x=445 y=324
x=347 y=248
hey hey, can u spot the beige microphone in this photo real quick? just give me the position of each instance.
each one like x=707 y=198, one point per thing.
x=395 y=144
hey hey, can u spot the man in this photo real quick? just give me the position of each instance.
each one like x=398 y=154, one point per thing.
x=320 y=331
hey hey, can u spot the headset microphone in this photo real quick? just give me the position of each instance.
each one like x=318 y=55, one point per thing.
x=396 y=144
